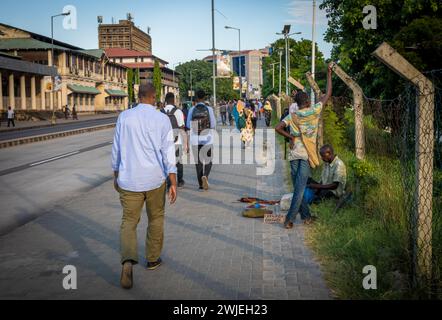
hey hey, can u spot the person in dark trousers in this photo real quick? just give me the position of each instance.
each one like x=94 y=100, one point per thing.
x=11 y=117
x=223 y=111
x=74 y=112
x=176 y=117
x=201 y=122
x=66 y=112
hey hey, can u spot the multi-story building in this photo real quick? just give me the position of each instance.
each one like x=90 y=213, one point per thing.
x=123 y=35
x=86 y=78
x=144 y=62
x=248 y=63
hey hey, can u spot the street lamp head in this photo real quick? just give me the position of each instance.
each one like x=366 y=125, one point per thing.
x=66 y=13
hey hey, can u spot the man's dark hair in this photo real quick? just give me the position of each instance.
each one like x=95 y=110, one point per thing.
x=200 y=95
x=326 y=148
x=146 y=90
x=170 y=98
x=301 y=99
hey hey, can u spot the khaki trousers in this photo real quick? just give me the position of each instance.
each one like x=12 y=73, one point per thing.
x=133 y=203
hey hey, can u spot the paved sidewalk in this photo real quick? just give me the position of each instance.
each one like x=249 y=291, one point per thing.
x=211 y=251
x=23 y=125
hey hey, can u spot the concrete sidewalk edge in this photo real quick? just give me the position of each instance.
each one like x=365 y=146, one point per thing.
x=21 y=141
x=58 y=124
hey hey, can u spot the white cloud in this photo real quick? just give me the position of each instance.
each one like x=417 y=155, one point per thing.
x=301 y=12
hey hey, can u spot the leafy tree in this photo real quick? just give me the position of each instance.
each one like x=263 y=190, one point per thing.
x=413 y=27
x=300 y=63
x=157 y=79
x=130 y=85
x=224 y=89
x=202 y=80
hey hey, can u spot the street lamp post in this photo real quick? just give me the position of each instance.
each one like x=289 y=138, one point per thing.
x=280 y=72
x=214 y=55
x=191 y=85
x=286 y=33
x=314 y=47
x=173 y=67
x=53 y=120
x=239 y=58
x=273 y=73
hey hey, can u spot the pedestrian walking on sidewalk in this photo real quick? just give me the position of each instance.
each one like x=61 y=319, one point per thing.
x=176 y=117
x=202 y=123
x=11 y=117
x=143 y=157
x=303 y=155
x=223 y=111
x=74 y=112
x=66 y=112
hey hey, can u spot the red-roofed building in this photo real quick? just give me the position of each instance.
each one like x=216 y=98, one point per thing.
x=145 y=62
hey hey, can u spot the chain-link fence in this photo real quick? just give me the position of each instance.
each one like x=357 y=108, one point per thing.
x=401 y=145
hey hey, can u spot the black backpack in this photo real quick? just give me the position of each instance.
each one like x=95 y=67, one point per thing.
x=201 y=115
x=173 y=119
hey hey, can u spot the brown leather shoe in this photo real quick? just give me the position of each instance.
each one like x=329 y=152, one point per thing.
x=289 y=225
x=127 y=281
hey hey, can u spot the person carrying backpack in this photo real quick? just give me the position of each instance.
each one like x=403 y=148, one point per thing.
x=176 y=117
x=201 y=121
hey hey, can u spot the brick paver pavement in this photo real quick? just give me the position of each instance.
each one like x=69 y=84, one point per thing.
x=211 y=251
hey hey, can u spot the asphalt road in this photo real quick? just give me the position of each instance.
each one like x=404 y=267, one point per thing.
x=58 y=128
x=35 y=177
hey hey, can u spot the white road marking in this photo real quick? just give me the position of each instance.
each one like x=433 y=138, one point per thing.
x=54 y=158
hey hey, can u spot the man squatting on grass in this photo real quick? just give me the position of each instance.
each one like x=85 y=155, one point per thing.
x=143 y=156
x=303 y=154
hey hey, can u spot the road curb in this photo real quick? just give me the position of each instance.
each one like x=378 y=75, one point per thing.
x=27 y=140
x=56 y=125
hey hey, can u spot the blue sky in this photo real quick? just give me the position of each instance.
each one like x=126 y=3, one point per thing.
x=178 y=27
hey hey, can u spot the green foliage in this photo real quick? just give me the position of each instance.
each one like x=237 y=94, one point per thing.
x=224 y=89
x=202 y=80
x=334 y=129
x=300 y=63
x=404 y=24
x=157 y=79
x=349 y=241
x=362 y=169
x=130 y=85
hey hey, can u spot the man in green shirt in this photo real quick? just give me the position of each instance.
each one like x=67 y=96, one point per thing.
x=333 y=178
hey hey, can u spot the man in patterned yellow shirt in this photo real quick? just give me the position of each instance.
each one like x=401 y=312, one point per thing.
x=303 y=153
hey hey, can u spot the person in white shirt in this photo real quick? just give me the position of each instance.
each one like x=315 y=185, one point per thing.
x=143 y=157
x=179 y=127
x=11 y=116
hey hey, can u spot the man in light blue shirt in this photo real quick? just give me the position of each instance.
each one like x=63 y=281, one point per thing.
x=143 y=156
x=201 y=121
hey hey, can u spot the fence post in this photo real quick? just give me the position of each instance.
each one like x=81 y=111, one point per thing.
x=423 y=201
x=359 y=110
x=276 y=105
x=318 y=94
x=314 y=85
